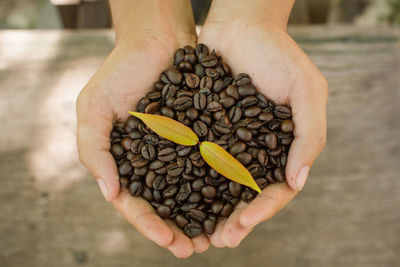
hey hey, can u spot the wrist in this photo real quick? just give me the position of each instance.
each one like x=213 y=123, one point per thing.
x=160 y=19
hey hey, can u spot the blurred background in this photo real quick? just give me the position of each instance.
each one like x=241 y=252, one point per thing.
x=52 y=213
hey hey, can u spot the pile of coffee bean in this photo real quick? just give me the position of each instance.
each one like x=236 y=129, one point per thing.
x=200 y=92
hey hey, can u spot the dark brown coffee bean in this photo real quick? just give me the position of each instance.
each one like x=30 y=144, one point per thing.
x=125 y=168
x=150 y=176
x=182 y=103
x=193 y=229
x=185 y=66
x=227 y=102
x=167 y=112
x=156 y=164
x=196 y=159
x=235 y=189
x=208 y=191
x=213 y=97
x=201 y=49
x=199 y=101
x=174 y=170
x=287 y=126
x=226 y=210
x=192 y=114
x=188 y=206
x=235 y=113
x=197 y=215
x=209 y=61
x=199 y=70
x=140 y=171
x=167 y=154
x=249 y=101
x=199 y=172
x=174 y=76
x=124 y=181
x=138 y=161
x=179 y=56
x=206 y=82
x=262 y=157
x=262 y=183
x=200 y=128
x=198 y=184
x=244 y=135
x=217 y=206
x=255 y=124
x=154 y=95
x=168 y=91
x=148 y=152
x=172 y=179
x=192 y=80
x=163 y=211
x=252 y=111
x=271 y=140
x=195 y=197
x=214 y=106
x=152 y=107
x=209 y=226
x=244 y=158
x=147 y=193
x=265 y=116
x=237 y=148
x=232 y=91
x=256 y=170
x=157 y=195
x=212 y=73
x=242 y=79
x=275 y=152
x=282 y=112
x=191 y=58
x=279 y=175
x=136 y=188
x=142 y=104
x=181 y=221
x=247 y=195
x=169 y=191
x=183 y=150
x=218 y=86
x=117 y=150
x=184 y=191
x=170 y=202
x=246 y=90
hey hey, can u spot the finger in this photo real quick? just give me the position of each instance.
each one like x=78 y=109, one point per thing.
x=142 y=216
x=271 y=200
x=308 y=102
x=181 y=245
x=233 y=232
x=200 y=243
x=215 y=238
x=94 y=117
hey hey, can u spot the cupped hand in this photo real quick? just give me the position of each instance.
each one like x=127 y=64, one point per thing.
x=284 y=74
x=125 y=77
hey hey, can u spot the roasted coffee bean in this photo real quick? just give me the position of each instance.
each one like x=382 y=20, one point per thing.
x=275 y=152
x=196 y=159
x=136 y=188
x=192 y=114
x=201 y=49
x=117 y=150
x=174 y=170
x=191 y=58
x=262 y=157
x=226 y=210
x=182 y=103
x=246 y=90
x=218 y=86
x=170 y=202
x=200 y=128
x=198 y=184
x=164 y=211
x=206 y=82
x=174 y=76
x=209 y=61
x=227 y=102
x=217 y=206
x=167 y=154
x=148 y=152
x=157 y=195
x=244 y=135
x=282 y=112
x=247 y=195
x=150 y=176
x=274 y=124
x=235 y=189
x=142 y=104
x=172 y=179
x=138 y=161
x=133 y=122
x=199 y=101
x=124 y=181
x=208 y=191
x=249 y=101
x=199 y=172
x=262 y=183
x=197 y=215
x=232 y=91
x=160 y=171
x=214 y=106
x=147 y=193
x=199 y=70
x=193 y=229
x=242 y=79
x=169 y=191
x=154 y=95
x=235 y=113
x=244 y=158
x=152 y=107
x=287 y=126
x=192 y=80
x=256 y=170
x=159 y=182
x=181 y=221
x=252 y=111
x=188 y=166
x=195 y=197
x=184 y=192
x=212 y=73
x=156 y=164
x=140 y=171
x=188 y=206
x=179 y=56
x=125 y=168
x=279 y=175
x=151 y=139
x=183 y=150
x=237 y=148
x=271 y=140
x=185 y=66
x=209 y=226
x=213 y=97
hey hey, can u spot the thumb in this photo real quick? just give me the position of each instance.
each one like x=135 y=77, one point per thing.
x=94 y=117
x=308 y=102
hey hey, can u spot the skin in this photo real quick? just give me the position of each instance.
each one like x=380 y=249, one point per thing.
x=253 y=43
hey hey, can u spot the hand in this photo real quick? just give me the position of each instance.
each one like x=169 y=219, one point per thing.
x=125 y=76
x=283 y=73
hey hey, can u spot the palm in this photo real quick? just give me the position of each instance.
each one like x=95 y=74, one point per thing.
x=279 y=69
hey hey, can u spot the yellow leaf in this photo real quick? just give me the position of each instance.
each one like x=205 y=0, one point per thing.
x=168 y=128
x=224 y=163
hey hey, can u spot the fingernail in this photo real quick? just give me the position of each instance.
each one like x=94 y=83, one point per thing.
x=103 y=188
x=302 y=177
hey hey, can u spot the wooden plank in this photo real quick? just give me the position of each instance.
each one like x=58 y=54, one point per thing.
x=51 y=211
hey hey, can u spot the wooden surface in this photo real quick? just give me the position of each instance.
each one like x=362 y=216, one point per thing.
x=52 y=213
